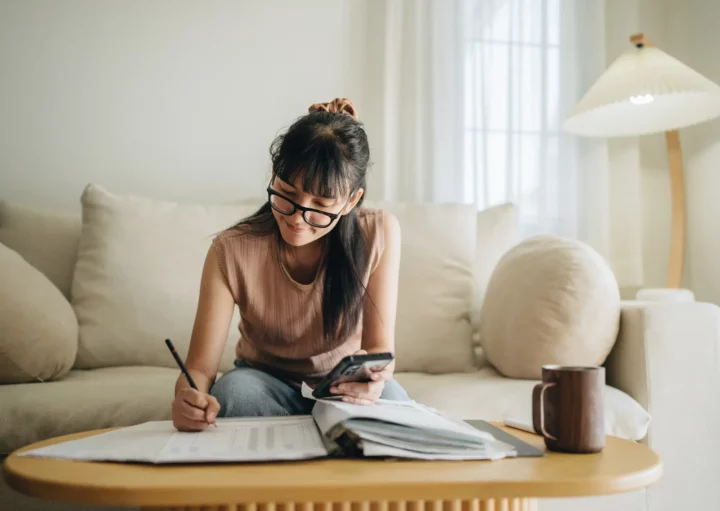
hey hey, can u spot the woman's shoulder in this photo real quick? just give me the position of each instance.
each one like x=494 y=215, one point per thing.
x=245 y=232
x=241 y=243
x=381 y=228
x=378 y=221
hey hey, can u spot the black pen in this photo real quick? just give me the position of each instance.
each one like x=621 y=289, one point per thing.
x=180 y=363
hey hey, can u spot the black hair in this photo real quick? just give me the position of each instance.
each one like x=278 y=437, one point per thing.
x=330 y=153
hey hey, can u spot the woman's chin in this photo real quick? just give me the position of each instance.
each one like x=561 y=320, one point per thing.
x=295 y=239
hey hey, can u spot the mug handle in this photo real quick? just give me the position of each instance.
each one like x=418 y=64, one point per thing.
x=543 y=388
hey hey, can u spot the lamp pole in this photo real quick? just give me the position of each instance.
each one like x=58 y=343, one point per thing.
x=677 y=194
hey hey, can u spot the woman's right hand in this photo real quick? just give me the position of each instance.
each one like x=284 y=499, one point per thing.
x=193 y=410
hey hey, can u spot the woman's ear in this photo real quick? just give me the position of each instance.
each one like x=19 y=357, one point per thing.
x=353 y=201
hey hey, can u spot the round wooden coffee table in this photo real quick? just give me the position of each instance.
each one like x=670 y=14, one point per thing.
x=340 y=485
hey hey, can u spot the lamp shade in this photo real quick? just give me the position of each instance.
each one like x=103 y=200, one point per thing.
x=644 y=91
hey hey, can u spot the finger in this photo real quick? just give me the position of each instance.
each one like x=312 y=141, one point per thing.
x=355 y=389
x=382 y=375
x=212 y=409
x=362 y=390
x=191 y=413
x=188 y=425
x=194 y=397
x=360 y=352
x=358 y=400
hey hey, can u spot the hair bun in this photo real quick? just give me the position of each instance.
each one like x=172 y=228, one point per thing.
x=336 y=106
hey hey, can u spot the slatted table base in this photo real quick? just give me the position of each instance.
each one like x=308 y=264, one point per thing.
x=518 y=504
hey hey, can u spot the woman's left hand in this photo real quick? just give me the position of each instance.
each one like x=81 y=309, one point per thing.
x=364 y=393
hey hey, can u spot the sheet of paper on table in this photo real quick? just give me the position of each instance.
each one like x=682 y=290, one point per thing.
x=247 y=439
x=402 y=429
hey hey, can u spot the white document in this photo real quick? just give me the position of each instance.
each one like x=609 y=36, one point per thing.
x=376 y=449
x=247 y=439
x=404 y=429
x=135 y=443
x=407 y=413
x=279 y=438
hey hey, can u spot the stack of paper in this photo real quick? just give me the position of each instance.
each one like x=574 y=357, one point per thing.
x=387 y=429
x=405 y=429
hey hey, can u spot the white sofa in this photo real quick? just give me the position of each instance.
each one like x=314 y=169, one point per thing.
x=130 y=271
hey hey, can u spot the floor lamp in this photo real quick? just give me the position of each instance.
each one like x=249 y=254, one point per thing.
x=647 y=91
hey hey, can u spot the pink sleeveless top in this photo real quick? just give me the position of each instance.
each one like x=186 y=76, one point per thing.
x=280 y=325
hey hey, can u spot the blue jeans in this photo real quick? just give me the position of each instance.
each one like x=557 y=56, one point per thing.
x=249 y=392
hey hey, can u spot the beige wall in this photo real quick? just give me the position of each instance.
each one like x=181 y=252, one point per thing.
x=177 y=99
x=693 y=36
x=174 y=99
x=688 y=31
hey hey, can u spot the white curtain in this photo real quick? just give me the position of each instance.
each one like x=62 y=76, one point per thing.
x=465 y=103
x=525 y=64
x=413 y=104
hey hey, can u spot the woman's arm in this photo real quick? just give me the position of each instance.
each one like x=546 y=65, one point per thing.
x=212 y=322
x=378 y=334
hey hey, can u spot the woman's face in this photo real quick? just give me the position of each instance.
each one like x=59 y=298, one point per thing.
x=293 y=228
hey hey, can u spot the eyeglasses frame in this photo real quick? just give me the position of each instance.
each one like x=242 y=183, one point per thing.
x=303 y=209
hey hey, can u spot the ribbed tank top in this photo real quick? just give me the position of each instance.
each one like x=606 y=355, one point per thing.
x=280 y=324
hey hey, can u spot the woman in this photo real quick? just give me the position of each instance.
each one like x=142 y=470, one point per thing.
x=314 y=276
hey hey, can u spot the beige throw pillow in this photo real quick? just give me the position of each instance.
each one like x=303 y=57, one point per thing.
x=550 y=300
x=137 y=277
x=47 y=240
x=433 y=331
x=38 y=329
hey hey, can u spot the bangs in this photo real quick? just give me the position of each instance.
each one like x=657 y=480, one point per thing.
x=317 y=163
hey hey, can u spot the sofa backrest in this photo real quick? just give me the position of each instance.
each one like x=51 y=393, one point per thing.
x=46 y=239
x=448 y=254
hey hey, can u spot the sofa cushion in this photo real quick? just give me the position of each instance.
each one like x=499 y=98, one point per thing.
x=137 y=277
x=550 y=300
x=486 y=394
x=497 y=232
x=433 y=332
x=47 y=240
x=38 y=328
x=84 y=400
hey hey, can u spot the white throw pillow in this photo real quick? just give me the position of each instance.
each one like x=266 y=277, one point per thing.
x=550 y=300
x=137 y=277
x=47 y=240
x=433 y=332
x=485 y=394
x=38 y=329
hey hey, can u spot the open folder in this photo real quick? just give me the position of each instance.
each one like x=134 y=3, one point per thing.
x=398 y=429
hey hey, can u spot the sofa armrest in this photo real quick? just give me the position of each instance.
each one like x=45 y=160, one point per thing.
x=667 y=357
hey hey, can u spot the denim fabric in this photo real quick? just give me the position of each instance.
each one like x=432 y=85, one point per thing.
x=249 y=392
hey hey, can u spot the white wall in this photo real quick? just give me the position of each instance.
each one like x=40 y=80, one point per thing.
x=693 y=37
x=175 y=99
x=688 y=31
x=180 y=99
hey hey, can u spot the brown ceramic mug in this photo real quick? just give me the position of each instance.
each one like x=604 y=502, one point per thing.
x=569 y=409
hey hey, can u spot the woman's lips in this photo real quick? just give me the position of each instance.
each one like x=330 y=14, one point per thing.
x=296 y=229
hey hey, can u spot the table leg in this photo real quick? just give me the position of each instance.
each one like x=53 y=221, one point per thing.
x=502 y=504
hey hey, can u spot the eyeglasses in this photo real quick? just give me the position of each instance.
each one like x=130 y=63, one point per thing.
x=314 y=217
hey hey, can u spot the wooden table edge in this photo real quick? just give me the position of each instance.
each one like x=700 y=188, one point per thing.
x=466 y=490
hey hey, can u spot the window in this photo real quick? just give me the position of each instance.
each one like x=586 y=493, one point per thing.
x=512 y=109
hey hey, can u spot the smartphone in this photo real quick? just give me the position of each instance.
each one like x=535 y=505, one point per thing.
x=354 y=368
